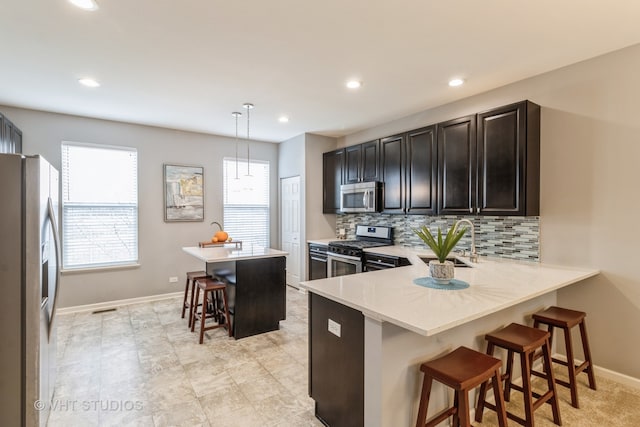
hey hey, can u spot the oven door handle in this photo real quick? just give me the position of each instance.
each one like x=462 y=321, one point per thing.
x=339 y=257
x=318 y=259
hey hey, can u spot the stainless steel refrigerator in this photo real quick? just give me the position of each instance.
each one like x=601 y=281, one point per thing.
x=29 y=283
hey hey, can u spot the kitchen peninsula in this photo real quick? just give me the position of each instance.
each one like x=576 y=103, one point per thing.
x=256 y=285
x=383 y=326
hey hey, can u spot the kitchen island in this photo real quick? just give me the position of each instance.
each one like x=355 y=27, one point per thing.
x=384 y=326
x=256 y=285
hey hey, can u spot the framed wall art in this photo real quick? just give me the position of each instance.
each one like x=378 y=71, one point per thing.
x=183 y=193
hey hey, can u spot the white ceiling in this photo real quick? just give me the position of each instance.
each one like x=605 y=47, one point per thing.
x=187 y=64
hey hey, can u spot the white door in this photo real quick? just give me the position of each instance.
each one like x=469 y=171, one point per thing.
x=290 y=226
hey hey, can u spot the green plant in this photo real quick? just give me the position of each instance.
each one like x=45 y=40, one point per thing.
x=440 y=247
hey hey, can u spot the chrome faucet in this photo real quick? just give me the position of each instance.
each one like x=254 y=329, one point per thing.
x=473 y=257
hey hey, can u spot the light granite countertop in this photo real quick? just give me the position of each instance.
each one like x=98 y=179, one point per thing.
x=222 y=254
x=391 y=296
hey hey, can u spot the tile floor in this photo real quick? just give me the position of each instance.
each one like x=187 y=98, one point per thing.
x=141 y=366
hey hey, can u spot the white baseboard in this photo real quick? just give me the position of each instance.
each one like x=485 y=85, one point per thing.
x=608 y=374
x=117 y=303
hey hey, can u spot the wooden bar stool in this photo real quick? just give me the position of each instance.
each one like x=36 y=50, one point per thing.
x=211 y=287
x=565 y=319
x=192 y=276
x=463 y=369
x=525 y=341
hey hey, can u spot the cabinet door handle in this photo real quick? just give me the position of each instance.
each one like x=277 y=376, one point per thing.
x=478 y=210
x=470 y=210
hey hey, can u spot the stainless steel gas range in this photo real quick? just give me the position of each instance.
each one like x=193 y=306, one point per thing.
x=346 y=256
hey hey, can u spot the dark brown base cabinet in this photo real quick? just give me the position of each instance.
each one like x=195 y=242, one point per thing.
x=336 y=364
x=10 y=136
x=258 y=298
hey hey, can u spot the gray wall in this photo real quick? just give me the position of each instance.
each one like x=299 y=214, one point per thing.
x=160 y=243
x=589 y=187
x=319 y=225
x=291 y=161
x=302 y=155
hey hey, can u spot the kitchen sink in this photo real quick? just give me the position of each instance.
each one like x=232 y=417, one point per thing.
x=457 y=262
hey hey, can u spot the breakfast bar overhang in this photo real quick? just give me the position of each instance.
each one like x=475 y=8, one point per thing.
x=405 y=324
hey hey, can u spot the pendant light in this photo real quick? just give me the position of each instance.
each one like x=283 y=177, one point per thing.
x=236 y=114
x=248 y=107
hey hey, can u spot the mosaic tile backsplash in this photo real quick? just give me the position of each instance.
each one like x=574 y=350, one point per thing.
x=502 y=236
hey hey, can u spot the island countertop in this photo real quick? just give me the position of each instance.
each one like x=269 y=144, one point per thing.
x=222 y=254
x=495 y=284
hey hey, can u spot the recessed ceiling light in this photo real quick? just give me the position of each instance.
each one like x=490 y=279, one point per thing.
x=89 y=82
x=455 y=82
x=354 y=84
x=283 y=119
x=85 y=4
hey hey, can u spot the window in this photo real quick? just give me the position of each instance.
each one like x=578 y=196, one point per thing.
x=99 y=205
x=246 y=201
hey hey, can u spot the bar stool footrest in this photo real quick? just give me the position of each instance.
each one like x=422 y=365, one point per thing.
x=560 y=361
x=442 y=416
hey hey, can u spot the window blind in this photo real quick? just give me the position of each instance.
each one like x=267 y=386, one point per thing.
x=246 y=201
x=99 y=205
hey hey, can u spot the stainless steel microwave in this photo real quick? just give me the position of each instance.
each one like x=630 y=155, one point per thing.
x=360 y=197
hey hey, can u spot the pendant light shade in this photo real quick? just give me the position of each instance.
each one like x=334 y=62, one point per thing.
x=248 y=107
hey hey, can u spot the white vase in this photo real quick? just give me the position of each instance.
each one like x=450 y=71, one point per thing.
x=441 y=272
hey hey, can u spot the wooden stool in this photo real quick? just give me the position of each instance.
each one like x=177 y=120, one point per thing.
x=463 y=369
x=192 y=276
x=525 y=341
x=213 y=287
x=557 y=317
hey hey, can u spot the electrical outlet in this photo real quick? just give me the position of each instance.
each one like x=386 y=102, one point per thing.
x=173 y=279
x=334 y=327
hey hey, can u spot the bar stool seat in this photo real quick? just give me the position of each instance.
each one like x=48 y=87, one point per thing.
x=463 y=369
x=565 y=319
x=525 y=341
x=192 y=276
x=215 y=289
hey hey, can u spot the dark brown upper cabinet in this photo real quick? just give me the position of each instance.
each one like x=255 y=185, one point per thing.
x=333 y=163
x=494 y=169
x=10 y=137
x=408 y=168
x=508 y=145
x=481 y=164
x=421 y=171
x=392 y=164
x=361 y=162
x=457 y=166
